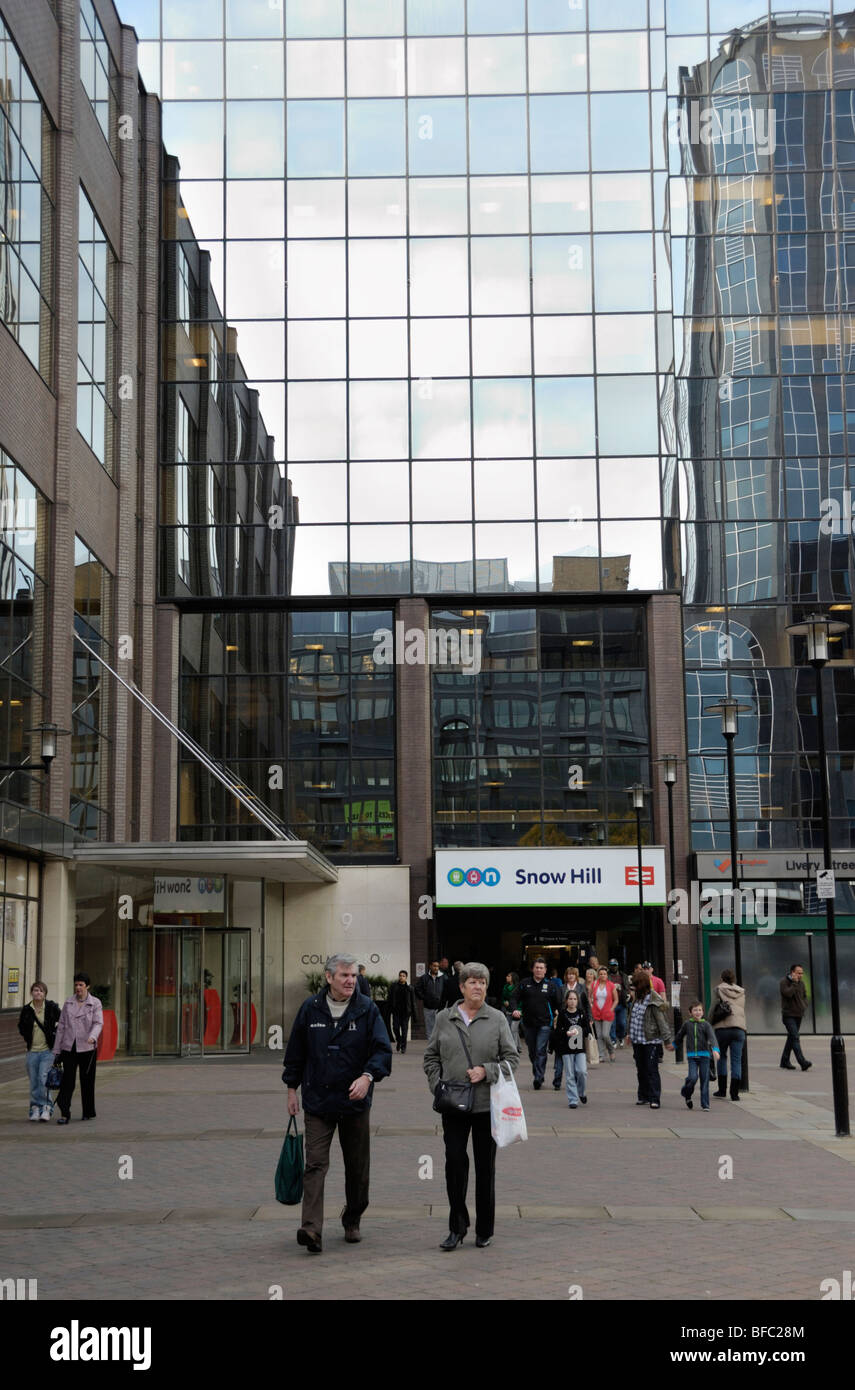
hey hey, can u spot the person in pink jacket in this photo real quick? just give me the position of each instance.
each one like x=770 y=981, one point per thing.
x=75 y=1045
x=603 y=997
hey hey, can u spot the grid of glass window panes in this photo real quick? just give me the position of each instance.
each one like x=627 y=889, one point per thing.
x=24 y=562
x=90 y=713
x=455 y=283
x=19 y=906
x=541 y=726
x=764 y=345
x=301 y=707
x=26 y=211
x=98 y=72
x=96 y=336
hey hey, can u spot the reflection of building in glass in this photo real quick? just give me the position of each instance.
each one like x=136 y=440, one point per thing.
x=761 y=420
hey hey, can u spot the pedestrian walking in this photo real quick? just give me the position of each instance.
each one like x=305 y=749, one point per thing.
x=451 y=991
x=535 y=1001
x=701 y=1049
x=655 y=981
x=337 y=1050
x=508 y=990
x=75 y=1044
x=469 y=1042
x=621 y=983
x=362 y=983
x=428 y=988
x=402 y=1007
x=793 y=1006
x=571 y=1029
x=37 y=1024
x=649 y=1030
x=727 y=1016
x=604 y=997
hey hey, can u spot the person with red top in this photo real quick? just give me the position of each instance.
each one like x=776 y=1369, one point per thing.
x=604 y=997
x=655 y=982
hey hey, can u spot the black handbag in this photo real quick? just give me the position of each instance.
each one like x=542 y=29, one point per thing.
x=721 y=1011
x=289 y=1170
x=455 y=1096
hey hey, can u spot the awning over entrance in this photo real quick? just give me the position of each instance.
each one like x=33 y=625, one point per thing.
x=283 y=861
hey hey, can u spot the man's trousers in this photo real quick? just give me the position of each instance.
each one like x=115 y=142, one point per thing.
x=354 y=1137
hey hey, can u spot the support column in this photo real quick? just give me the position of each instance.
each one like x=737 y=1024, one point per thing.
x=413 y=780
x=668 y=736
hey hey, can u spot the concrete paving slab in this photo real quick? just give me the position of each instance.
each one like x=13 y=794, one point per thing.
x=651 y=1215
x=819 y=1214
x=742 y=1214
x=123 y=1218
x=705 y=1133
x=210 y=1214
x=642 y=1132
x=542 y=1213
x=26 y=1221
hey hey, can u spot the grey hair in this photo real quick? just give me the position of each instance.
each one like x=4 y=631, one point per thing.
x=474 y=971
x=333 y=962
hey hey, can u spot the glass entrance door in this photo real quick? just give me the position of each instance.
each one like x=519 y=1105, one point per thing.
x=189 y=992
x=229 y=1014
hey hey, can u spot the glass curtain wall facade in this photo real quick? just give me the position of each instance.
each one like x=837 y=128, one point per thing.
x=762 y=247
x=557 y=296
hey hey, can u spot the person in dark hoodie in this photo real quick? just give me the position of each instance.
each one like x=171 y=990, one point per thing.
x=571 y=1027
x=701 y=1048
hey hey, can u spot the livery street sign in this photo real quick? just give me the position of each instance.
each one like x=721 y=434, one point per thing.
x=554 y=877
x=769 y=864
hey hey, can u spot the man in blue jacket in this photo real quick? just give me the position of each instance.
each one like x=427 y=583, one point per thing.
x=337 y=1049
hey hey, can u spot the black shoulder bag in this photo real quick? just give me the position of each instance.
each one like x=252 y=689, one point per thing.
x=457 y=1096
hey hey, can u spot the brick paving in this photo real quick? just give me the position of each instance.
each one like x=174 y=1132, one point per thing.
x=584 y=1202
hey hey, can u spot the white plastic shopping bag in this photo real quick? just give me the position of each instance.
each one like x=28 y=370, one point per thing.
x=507 y=1121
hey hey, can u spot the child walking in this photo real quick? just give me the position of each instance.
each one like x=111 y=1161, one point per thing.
x=701 y=1046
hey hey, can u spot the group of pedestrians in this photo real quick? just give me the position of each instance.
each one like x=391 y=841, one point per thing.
x=67 y=1037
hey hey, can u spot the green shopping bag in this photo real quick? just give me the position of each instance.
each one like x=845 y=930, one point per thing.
x=289 y=1170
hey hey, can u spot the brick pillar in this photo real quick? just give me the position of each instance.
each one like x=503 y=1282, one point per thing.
x=668 y=736
x=415 y=800
x=61 y=620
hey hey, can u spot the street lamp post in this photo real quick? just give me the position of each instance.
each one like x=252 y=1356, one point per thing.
x=49 y=734
x=730 y=710
x=637 y=793
x=669 y=768
x=816 y=630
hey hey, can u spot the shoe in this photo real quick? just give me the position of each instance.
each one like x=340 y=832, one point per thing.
x=689 y=1103
x=481 y=1242
x=46 y=1113
x=611 y=1056
x=556 y=1085
x=721 y=1093
x=571 y=1106
x=787 y=1066
x=641 y=1102
x=63 y=1119
x=622 y=1042
x=806 y=1066
x=584 y=1100
x=734 y=1089
x=451 y=1242
x=310 y=1240
x=654 y=1105
x=352 y=1235
x=35 y=1112
x=537 y=1085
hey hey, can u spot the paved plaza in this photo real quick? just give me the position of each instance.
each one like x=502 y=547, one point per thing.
x=620 y=1201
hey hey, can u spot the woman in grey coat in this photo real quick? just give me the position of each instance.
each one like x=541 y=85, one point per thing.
x=471 y=1024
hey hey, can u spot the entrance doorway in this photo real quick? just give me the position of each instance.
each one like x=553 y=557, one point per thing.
x=189 y=992
x=509 y=938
